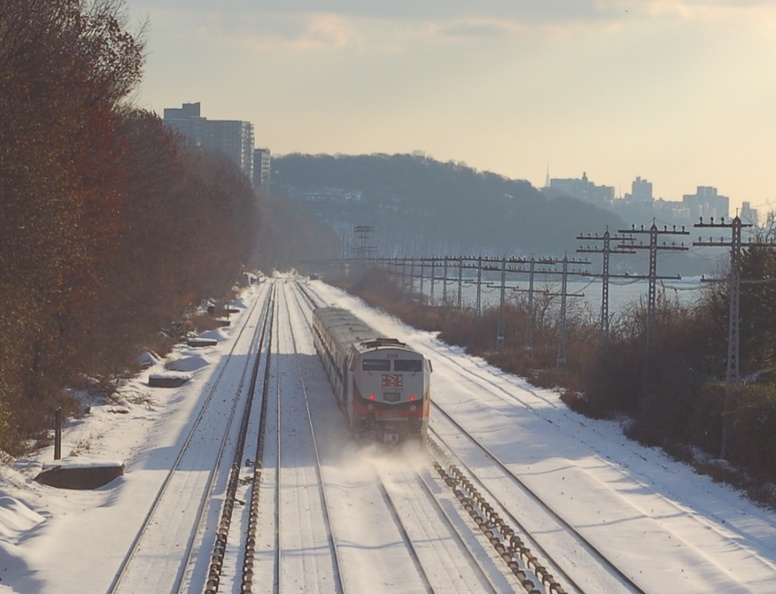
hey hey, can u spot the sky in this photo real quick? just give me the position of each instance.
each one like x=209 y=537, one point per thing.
x=678 y=92
x=693 y=535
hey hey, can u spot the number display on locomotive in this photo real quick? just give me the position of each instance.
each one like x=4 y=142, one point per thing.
x=382 y=383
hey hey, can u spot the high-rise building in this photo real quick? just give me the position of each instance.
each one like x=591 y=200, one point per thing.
x=641 y=190
x=706 y=202
x=749 y=215
x=234 y=138
x=261 y=169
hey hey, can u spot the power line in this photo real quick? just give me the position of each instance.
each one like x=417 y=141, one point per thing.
x=653 y=247
x=606 y=250
x=735 y=244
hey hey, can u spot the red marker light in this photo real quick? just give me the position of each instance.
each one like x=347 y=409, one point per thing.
x=412 y=399
x=372 y=397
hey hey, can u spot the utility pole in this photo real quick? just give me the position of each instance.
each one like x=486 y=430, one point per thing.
x=606 y=251
x=433 y=275
x=531 y=271
x=478 y=305
x=444 y=285
x=422 y=276
x=504 y=265
x=561 y=360
x=412 y=277
x=529 y=322
x=732 y=376
x=564 y=295
x=460 y=283
x=364 y=251
x=653 y=248
x=501 y=330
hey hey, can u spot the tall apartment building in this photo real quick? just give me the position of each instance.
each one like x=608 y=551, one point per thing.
x=641 y=190
x=261 y=169
x=748 y=214
x=706 y=202
x=234 y=138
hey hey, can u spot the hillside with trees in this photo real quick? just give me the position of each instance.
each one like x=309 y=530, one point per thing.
x=292 y=238
x=112 y=226
x=419 y=206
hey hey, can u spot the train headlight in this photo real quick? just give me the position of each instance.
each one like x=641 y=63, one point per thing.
x=413 y=408
x=370 y=406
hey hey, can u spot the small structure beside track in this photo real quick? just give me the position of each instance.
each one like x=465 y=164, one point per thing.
x=167 y=380
x=76 y=473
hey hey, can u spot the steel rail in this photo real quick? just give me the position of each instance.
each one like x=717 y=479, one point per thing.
x=230 y=496
x=311 y=303
x=277 y=586
x=504 y=538
x=404 y=534
x=454 y=531
x=584 y=542
x=333 y=545
x=249 y=550
x=147 y=520
x=506 y=555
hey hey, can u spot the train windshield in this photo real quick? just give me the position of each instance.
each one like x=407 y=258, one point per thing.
x=408 y=365
x=376 y=365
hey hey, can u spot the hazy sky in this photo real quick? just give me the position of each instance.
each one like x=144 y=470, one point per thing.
x=679 y=92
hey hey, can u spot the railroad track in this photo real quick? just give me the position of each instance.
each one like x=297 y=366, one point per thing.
x=262 y=500
x=304 y=304
x=177 y=520
x=297 y=464
x=437 y=536
x=458 y=540
x=519 y=546
x=531 y=563
x=550 y=409
x=242 y=493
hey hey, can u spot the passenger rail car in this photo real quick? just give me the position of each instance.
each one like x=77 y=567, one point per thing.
x=382 y=384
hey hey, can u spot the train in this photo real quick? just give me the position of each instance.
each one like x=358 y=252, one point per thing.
x=382 y=384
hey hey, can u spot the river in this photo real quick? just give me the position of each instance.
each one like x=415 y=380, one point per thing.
x=623 y=292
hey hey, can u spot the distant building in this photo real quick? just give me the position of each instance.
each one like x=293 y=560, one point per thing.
x=676 y=212
x=186 y=120
x=641 y=207
x=748 y=214
x=707 y=203
x=261 y=169
x=234 y=138
x=583 y=189
x=641 y=191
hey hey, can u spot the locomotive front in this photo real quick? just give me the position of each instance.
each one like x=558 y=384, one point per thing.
x=390 y=399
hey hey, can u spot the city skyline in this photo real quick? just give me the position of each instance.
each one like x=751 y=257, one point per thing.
x=674 y=91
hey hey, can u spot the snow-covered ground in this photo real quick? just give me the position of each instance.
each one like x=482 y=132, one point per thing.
x=667 y=528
